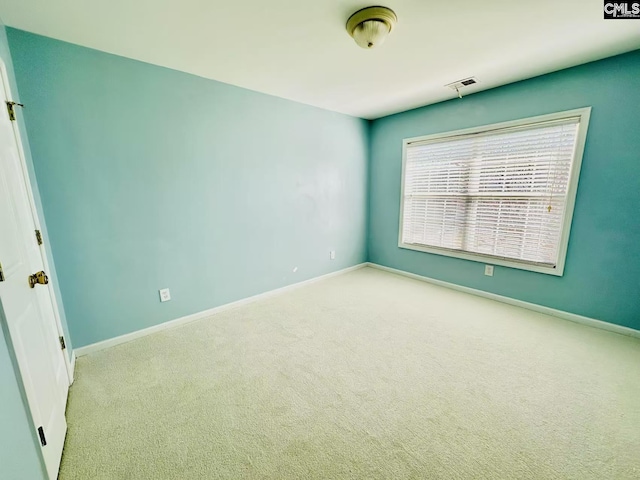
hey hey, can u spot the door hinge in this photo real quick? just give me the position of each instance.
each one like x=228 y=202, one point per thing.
x=1 y=274
x=62 y=344
x=43 y=439
x=39 y=237
x=11 y=110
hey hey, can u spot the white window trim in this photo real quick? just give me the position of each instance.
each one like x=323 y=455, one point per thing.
x=558 y=270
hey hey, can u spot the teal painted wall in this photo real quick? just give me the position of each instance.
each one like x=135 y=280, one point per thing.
x=146 y=172
x=602 y=275
x=19 y=455
x=5 y=54
x=154 y=178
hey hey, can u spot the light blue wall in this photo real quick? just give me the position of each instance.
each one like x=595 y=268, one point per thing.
x=19 y=456
x=147 y=174
x=154 y=178
x=52 y=273
x=602 y=274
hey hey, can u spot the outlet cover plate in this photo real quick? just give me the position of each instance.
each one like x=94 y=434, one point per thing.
x=165 y=295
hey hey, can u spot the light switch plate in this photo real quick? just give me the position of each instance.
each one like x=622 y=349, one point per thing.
x=488 y=270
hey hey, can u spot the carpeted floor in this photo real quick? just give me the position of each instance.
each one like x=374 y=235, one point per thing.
x=367 y=375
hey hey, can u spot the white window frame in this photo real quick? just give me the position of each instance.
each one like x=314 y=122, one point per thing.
x=558 y=270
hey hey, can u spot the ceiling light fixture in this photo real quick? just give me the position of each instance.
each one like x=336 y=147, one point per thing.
x=370 y=26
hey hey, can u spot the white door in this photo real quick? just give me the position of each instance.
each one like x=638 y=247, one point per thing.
x=28 y=311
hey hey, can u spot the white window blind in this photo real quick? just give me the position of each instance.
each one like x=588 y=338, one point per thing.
x=498 y=193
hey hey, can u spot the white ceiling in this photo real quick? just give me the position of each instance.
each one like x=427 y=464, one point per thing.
x=298 y=49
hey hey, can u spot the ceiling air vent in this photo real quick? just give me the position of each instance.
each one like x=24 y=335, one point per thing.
x=461 y=84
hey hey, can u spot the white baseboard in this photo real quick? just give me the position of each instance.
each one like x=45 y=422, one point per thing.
x=572 y=317
x=95 y=347
x=78 y=352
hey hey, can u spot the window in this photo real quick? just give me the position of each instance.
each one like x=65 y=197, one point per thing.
x=500 y=194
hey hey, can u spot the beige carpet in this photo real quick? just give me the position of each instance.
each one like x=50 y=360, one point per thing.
x=367 y=375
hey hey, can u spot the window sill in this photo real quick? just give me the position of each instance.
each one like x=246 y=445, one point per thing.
x=488 y=259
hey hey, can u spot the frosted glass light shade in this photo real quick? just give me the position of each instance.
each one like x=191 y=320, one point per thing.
x=370 y=26
x=371 y=33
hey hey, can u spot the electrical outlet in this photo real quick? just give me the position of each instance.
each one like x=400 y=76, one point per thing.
x=165 y=295
x=488 y=270
x=332 y=254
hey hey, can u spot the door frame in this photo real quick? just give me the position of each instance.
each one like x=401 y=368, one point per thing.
x=69 y=364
